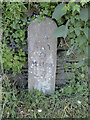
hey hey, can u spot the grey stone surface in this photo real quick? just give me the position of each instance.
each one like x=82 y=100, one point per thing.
x=63 y=77
x=42 y=49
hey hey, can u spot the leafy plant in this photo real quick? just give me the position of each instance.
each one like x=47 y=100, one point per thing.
x=74 y=31
x=70 y=101
x=37 y=105
x=14 y=22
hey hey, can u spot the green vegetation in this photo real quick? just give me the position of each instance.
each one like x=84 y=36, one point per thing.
x=73 y=24
x=37 y=105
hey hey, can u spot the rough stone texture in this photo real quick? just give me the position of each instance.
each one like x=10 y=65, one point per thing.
x=42 y=55
x=63 y=77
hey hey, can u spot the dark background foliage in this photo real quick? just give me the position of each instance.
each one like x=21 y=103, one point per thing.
x=72 y=33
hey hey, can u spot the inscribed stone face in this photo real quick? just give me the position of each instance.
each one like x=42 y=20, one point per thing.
x=42 y=55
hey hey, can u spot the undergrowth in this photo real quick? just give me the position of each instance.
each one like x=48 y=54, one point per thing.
x=70 y=101
x=35 y=104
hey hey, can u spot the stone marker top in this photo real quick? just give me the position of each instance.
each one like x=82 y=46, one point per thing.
x=42 y=31
x=42 y=55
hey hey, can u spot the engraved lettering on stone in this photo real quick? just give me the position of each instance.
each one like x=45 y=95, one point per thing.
x=42 y=56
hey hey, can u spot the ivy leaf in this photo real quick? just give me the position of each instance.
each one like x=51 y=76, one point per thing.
x=83 y=2
x=77 y=17
x=59 y=12
x=72 y=20
x=77 y=31
x=85 y=30
x=23 y=8
x=61 y=31
x=16 y=57
x=81 y=40
x=76 y=8
x=84 y=14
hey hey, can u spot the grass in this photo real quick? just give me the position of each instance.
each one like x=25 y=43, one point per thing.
x=35 y=104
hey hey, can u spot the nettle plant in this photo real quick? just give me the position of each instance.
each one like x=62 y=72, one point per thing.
x=73 y=22
x=73 y=27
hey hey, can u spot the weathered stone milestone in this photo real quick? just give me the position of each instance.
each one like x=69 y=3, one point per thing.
x=42 y=55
